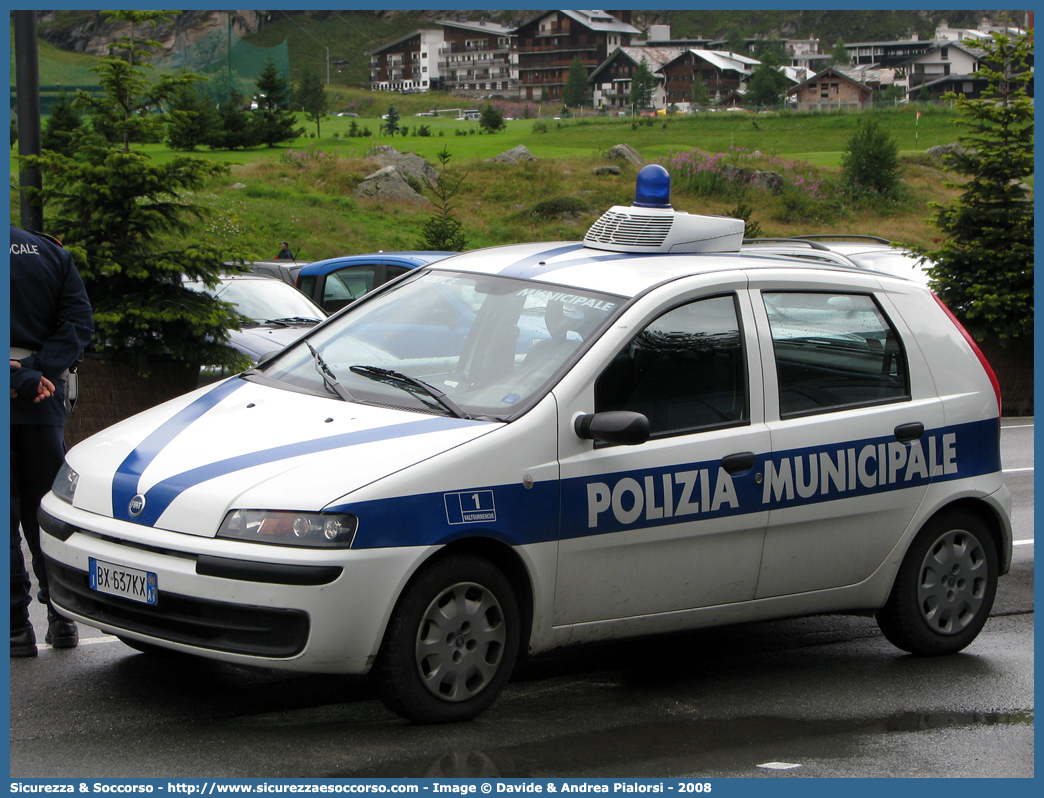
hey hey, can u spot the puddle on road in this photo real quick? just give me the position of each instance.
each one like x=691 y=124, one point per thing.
x=676 y=747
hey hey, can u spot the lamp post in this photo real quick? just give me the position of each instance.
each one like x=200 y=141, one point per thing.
x=27 y=77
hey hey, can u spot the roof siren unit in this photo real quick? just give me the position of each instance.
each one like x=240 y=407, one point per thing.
x=652 y=225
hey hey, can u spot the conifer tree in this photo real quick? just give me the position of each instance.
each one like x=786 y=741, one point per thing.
x=125 y=220
x=699 y=96
x=61 y=127
x=312 y=98
x=643 y=84
x=123 y=114
x=492 y=120
x=983 y=269
x=391 y=121
x=767 y=87
x=273 y=121
x=192 y=120
x=840 y=56
x=234 y=130
x=443 y=232
x=576 y=84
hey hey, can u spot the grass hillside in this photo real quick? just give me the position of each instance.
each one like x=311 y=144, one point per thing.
x=58 y=66
x=304 y=193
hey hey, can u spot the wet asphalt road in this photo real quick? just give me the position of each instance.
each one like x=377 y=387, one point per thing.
x=821 y=696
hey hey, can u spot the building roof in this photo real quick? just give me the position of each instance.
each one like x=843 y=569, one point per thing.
x=796 y=74
x=944 y=79
x=975 y=52
x=866 y=74
x=721 y=60
x=400 y=40
x=480 y=26
x=926 y=43
x=600 y=21
x=826 y=72
x=655 y=57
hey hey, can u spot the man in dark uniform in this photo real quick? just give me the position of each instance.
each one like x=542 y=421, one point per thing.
x=51 y=325
x=284 y=252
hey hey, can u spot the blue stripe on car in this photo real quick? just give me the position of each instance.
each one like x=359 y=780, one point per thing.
x=692 y=491
x=125 y=481
x=160 y=495
x=527 y=267
x=537 y=265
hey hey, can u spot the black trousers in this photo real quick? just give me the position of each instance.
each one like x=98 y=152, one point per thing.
x=37 y=453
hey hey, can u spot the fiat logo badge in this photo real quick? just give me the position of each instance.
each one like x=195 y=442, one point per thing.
x=137 y=505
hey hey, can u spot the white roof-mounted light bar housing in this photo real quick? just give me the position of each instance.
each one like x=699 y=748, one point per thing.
x=652 y=225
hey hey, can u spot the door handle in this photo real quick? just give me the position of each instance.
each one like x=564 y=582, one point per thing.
x=738 y=463
x=909 y=432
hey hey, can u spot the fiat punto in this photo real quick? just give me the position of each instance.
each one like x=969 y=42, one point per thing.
x=526 y=447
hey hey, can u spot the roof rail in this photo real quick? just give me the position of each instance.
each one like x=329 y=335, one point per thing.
x=844 y=236
x=796 y=240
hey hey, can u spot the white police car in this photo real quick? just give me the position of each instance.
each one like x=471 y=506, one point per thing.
x=530 y=446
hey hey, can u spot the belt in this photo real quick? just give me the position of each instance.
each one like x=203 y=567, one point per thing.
x=20 y=353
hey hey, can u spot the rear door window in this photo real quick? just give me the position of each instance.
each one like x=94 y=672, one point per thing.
x=834 y=351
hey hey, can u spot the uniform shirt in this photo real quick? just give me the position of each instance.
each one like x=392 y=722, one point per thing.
x=50 y=316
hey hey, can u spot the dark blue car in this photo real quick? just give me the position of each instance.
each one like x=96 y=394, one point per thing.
x=336 y=282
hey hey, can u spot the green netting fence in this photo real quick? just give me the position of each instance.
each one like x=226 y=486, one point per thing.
x=227 y=62
x=221 y=56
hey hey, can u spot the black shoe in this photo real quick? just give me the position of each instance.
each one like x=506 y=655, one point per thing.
x=61 y=632
x=23 y=642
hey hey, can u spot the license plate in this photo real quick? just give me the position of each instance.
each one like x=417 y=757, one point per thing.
x=119 y=580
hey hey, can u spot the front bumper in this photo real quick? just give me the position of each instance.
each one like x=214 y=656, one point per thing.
x=300 y=609
x=219 y=626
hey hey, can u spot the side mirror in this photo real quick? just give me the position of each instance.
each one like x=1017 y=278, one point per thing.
x=613 y=426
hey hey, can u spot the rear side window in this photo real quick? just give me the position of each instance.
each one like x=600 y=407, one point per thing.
x=686 y=371
x=834 y=351
x=350 y=283
x=344 y=286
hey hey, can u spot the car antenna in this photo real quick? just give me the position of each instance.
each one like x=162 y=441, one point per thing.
x=297 y=252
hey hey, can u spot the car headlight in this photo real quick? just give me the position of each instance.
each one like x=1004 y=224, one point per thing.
x=289 y=528
x=64 y=486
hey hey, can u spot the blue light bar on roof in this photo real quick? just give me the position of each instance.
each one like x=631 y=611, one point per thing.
x=652 y=189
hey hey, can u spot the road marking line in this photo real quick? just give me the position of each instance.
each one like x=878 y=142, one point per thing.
x=1016 y=426
x=1023 y=542
x=1016 y=470
x=85 y=641
x=779 y=765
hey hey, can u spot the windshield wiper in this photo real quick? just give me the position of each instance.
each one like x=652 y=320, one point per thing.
x=406 y=383
x=289 y=321
x=329 y=378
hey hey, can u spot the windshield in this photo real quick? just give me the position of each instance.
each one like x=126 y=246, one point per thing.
x=264 y=300
x=474 y=346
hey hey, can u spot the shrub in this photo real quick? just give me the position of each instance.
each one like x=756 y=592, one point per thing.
x=443 y=231
x=559 y=207
x=871 y=161
x=798 y=207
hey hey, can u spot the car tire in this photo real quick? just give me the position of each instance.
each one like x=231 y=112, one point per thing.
x=944 y=590
x=451 y=642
